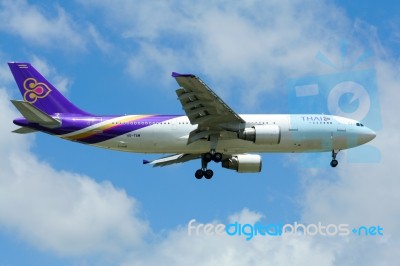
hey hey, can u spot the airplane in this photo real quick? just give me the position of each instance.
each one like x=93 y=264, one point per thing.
x=210 y=130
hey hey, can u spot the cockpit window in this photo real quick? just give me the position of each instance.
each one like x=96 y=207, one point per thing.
x=359 y=125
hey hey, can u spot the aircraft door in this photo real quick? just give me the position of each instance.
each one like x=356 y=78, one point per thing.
x=339 y=137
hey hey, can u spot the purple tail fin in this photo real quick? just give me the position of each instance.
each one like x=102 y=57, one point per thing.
x=36 y=90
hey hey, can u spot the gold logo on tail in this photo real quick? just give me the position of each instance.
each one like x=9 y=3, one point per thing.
x=35 y=90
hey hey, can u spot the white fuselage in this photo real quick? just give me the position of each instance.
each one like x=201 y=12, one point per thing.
x=298 y=133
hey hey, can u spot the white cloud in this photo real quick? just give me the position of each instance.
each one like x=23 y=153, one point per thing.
x=5 y=74
x=153 y=60
x=255 y=43
x=245 y=216
x=67 y=213
x=98 y=39
x=38 y=26
x=35 y=26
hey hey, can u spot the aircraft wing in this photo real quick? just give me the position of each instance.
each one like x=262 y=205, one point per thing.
x=173 y=159
x=201 y=104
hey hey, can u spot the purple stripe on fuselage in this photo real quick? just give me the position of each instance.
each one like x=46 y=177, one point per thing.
x=120 y=126
x=124 y=128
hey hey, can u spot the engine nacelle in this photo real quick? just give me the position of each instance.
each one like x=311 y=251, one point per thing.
x=244 y=163
x=261 y=134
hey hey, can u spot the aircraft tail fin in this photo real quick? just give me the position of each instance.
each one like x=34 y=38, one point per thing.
x=37 y=91
x=35 y=115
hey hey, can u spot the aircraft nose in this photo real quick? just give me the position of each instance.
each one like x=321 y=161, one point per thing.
x=367 y=135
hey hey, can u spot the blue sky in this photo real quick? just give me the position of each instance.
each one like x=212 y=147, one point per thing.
x=69 y=204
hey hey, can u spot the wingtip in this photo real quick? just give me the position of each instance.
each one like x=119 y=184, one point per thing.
x=176 y=75
x=146 y=161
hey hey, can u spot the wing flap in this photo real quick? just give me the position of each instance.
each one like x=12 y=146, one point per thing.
x=197 y=134
x=172 y=159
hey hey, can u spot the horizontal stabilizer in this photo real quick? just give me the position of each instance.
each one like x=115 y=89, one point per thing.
x=35 y=115
x=177 y=158
x=24 y=130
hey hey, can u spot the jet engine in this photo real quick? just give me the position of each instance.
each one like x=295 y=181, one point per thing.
x=261 y=134
x=243 y=163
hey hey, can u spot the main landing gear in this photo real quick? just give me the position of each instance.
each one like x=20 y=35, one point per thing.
x=334 y=162
x=205 y=159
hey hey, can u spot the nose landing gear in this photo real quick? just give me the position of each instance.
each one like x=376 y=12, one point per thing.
x=334 y=162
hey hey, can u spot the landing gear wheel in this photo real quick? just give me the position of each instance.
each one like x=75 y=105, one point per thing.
x=217 y=157
x=207 y=157
x=199 y=174
x=208 y=174
x=334 y=163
